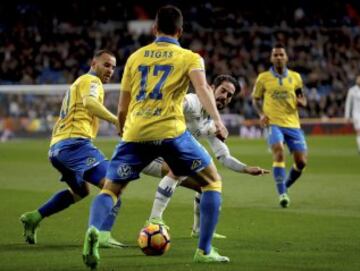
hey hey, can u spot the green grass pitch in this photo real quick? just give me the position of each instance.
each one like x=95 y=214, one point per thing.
x=320 y=230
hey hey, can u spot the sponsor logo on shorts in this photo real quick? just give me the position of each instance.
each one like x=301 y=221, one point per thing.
x=195 y=164
x=124 y=171
x=90 y=161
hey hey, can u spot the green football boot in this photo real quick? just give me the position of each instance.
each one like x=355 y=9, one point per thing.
x=212 y=257
x=91 y=256
x=31 y=222
x=107 y=241
x=196 y=234
x=284 y=200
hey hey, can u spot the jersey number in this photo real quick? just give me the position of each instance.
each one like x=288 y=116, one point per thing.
x=65 y=105
x=155 y=93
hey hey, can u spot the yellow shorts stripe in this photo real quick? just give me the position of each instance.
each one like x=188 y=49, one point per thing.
x=111 y=193
x=278 y=164
x=214 y=186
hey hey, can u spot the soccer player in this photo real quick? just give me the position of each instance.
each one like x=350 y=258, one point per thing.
x=72 y=152
x=276 y=96
x=152 y=124
x=199 y=124
x=352 y=108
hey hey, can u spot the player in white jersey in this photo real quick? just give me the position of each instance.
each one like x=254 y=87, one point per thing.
x=199 y=124
x=352 y=108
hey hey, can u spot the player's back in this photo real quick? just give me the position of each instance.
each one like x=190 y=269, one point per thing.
x=157 y=78
x=74 y=119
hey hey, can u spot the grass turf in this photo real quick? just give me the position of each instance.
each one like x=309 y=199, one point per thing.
x=320 y=230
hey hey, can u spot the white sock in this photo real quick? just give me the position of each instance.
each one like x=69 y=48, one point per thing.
x=358 y=141
x=163 y=194
x=196 y=225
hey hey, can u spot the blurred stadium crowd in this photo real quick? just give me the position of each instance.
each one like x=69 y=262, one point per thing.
x=53 y=43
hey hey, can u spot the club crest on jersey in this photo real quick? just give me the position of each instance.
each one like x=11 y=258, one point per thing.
x=124 y=171
x=90 y=161
x=195 y=164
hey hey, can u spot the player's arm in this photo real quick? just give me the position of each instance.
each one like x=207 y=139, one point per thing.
x=222 y=153
x=98 y=109
x=207 y=99
x=299 y=93
x=123 y=106
x=257 y=101
x=300 y=97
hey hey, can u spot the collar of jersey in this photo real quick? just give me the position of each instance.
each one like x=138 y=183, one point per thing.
x=168 y=40
x=92 y=73
x=278 y=75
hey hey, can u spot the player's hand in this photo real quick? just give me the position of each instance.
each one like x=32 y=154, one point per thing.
x=221 y=131
x=264 y=121
x=256 y=171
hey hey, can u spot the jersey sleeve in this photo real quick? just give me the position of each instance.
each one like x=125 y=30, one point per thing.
x=91 y=87
x=191 y=103
x=195 y=62
x=299 y=81
x=218 y=147
x=259 y=89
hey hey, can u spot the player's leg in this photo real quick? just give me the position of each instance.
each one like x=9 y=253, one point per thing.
x=61 y=200
x=100 y=210
x=275 y=141
x=356 y=122
x=122 y=169
x=297 y=145
x=185 y=156
x=96 y=176
x=166 y=187
x=210 y=204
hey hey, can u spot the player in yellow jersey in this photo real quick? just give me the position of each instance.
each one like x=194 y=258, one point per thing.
x=71 y=150
x=276 y=97
x=152 y=123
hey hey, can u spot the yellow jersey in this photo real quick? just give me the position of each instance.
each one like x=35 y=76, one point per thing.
x=75 y=120
x=279 y=98
x=157 y=78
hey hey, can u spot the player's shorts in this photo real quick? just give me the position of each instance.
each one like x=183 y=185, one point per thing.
x=293 y=137
x=76 y=156
x=184 y=155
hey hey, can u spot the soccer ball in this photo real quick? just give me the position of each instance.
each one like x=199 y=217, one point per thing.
x=154 y=240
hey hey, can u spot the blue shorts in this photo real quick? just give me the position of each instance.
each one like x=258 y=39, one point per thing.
x=184 y=155
x=293 y=137
x=76 y=156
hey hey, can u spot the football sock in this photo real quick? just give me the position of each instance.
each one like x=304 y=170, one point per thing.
x=163 y=194
x=196 y=224
x=209 y=213
x=110 y=220
x=100 y=209
x=154 y=168
x=294 y=174
x=279 y=173
x=58 y=202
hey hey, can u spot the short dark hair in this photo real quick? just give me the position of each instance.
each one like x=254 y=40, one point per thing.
x=228 y=78
x=103 y=51
x=169 y=20
x=278 y=45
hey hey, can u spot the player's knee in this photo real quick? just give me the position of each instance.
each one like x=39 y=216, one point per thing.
x=79 y=194
x=301 y=164
x=213 y=186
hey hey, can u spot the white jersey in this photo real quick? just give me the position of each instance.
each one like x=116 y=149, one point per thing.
x=352 y=106
x=199 y=123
